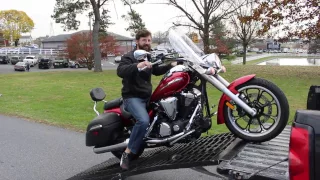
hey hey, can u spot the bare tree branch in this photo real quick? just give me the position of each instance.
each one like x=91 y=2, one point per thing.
x=186 y=25
x=200 y=1
x=214 y=6
x=103 y=2
x=206 y=8
x=174 y=3
x=244 y=31
x=196 y=5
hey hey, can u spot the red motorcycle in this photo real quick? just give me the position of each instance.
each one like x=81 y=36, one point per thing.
x=252 y=108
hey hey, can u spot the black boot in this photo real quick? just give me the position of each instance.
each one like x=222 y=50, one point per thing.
x=125 y=161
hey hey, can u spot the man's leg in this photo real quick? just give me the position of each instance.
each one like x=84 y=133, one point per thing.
x=137 y=107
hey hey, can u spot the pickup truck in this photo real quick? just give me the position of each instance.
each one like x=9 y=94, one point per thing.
x=32 y=60
x=304 y=150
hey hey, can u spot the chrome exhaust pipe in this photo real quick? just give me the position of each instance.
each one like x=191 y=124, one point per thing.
x=165 y=140
x=151 y=141
x=111 y=147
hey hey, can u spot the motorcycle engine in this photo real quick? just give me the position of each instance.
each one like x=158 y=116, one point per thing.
x=169 y=106
x=176 y=112
x=188 y=102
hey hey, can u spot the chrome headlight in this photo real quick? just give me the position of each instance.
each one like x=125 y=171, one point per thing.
x=212 y=60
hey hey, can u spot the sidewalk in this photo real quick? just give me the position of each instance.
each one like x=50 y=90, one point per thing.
x=239 y=60
x=251 y=58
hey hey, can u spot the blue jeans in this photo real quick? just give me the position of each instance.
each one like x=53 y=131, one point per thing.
x=138 y=108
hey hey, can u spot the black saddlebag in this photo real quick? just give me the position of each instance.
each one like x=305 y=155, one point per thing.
x=104 y=129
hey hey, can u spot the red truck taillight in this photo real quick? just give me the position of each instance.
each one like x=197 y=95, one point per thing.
x=299 y=154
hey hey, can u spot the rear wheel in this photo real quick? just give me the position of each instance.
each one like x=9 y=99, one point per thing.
x=272 y=111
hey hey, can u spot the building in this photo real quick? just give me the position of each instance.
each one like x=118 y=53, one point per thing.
x=125 y=44
x=24 y=40
x=55 y=42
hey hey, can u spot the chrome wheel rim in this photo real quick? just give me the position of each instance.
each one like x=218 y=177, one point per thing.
x=261 y=120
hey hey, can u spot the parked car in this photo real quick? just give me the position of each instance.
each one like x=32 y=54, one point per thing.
x=31 y=59
x=16 y=59
x=60 y=63
x=45 y=63
x=79 y=64
x=117 y=59
x=20 y=66
x=4 y=59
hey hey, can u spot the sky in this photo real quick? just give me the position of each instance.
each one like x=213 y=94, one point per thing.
x=157 y=17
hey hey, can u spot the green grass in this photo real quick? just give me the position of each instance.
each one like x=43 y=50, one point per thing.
x=62 y=98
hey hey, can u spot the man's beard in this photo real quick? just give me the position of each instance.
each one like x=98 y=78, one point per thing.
x=145 y=47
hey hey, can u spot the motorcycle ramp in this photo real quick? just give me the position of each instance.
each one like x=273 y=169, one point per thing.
x=228 y=156
x=202 y=152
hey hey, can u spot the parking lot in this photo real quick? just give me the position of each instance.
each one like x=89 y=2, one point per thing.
x=106 y=65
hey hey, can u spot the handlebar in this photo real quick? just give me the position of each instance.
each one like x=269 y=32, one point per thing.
x=152 y=64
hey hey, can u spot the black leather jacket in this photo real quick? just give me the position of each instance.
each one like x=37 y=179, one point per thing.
x=135 y=83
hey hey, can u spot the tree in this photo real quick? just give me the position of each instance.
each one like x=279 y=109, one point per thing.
x=159 y=37
x=210 y=12
x=14 y=23
x=66 y=11
x=219 y=39
x=298 y=18
x=245 y=31
x=79 y=46
x=133 y=17
x=193 y=36
x=314 y=46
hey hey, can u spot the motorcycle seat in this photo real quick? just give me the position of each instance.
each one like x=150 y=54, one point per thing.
x=112 y=104
x=115 y=104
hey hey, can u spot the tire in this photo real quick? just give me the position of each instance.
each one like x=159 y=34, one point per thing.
x=77 y=66
x=281 y=121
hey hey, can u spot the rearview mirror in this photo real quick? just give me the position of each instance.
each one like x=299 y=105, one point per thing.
x=97 y=94
x=140 y=55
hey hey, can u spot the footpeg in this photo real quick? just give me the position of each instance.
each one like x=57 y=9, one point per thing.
x=213 y=114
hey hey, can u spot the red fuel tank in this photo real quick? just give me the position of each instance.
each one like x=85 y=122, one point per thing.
x=174 y=82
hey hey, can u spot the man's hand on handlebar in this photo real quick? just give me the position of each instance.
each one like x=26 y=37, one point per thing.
x=143 y=64
x=212 y=71
x=223 y=69
x=174 y=64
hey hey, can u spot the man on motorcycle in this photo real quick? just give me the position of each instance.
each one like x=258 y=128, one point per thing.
x=136 y=91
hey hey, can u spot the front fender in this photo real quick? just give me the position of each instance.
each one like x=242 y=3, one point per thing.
x=232 y=87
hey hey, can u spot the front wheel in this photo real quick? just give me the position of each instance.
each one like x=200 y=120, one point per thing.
x=272 y=109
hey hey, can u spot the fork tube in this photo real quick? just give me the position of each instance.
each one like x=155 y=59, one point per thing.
x=222 y=80
x=225 y=90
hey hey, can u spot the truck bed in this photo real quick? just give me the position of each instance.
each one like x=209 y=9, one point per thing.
x=252 y=158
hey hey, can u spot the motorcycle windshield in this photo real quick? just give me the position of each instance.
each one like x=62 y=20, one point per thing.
x=184 y=46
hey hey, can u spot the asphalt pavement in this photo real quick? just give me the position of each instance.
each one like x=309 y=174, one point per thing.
x=32 y=150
